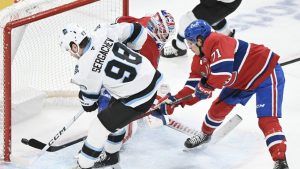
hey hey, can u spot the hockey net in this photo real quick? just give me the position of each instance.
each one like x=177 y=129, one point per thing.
x=33 y=66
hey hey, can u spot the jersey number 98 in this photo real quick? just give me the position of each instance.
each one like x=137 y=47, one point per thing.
x=123 y=70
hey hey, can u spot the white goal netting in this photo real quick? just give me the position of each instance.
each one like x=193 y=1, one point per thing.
x=39 y=67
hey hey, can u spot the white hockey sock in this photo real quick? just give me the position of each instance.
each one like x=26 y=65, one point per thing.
x=112 y=146
x=97 y=135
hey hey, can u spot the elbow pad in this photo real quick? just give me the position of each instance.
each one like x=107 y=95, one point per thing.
x=138 y=37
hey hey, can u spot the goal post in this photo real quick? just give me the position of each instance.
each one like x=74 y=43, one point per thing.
x=31 y=54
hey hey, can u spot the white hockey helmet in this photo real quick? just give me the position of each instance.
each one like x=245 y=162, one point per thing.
x=161 y=26
x=72 y=33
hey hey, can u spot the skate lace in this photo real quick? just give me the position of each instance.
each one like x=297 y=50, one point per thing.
x=197 y=139
x=102 y=157
x=169 y=50
x=280 y=165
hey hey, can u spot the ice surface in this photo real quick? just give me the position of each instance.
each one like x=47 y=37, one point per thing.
x=273 y=23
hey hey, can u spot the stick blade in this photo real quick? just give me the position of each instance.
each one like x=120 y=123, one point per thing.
x=33 y=143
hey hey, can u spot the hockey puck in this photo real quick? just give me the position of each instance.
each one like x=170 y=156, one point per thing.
x=24 y=141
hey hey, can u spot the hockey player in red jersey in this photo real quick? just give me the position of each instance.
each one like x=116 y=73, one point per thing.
x=240 y=69
x=212 y=11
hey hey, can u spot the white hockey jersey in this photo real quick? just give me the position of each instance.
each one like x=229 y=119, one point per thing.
x=109 y=63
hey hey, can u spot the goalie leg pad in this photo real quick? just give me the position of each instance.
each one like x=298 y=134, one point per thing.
x=131 y=129
x=275 y=138
x=184 y=21
x=215 y=116
x=156 y=119
x=216 y=12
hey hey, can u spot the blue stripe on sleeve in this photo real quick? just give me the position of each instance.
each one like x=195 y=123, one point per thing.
x=226 y=66
x=240 y=54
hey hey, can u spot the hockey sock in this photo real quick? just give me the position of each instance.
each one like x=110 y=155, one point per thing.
x=114 y=141
x=275 y=138
x=215 y=116
x=92 y=147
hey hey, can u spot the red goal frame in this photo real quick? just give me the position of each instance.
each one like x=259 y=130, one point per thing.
x=7 y=58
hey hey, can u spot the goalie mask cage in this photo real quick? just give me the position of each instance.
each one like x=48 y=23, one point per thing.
x=32 y=58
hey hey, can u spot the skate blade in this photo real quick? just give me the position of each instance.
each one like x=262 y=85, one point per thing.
x=115 y=166
x=198 y=148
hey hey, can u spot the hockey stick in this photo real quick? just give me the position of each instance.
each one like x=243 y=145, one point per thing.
x=289 y=62
x=57 y=136
x=150 y=111
x=173 y=124
x=40 y=145
x=236 y=92
x=217 y=136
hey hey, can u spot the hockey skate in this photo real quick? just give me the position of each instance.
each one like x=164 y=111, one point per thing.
x=196 y=140
x=107 y=159
x=281 y=164
x=173 y=51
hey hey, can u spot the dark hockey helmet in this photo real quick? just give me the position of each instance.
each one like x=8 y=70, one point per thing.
x=197 y=29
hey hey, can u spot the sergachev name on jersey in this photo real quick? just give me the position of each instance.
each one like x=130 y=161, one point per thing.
x=108 y=43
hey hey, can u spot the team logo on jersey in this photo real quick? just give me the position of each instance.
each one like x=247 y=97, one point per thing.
x=231 y=80
x=76 y=69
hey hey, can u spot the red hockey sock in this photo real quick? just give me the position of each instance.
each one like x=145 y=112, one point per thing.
x=215 y=116
x=275 y=138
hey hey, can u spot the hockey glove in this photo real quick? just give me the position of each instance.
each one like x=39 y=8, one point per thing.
x=203 y=90
x=87 y=104
x=103 y=99
x=167 y=107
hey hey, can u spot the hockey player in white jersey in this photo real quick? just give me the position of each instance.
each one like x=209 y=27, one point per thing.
x=212 y=11
x=104 y=60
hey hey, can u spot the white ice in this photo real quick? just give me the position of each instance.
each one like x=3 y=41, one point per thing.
x=273 y=23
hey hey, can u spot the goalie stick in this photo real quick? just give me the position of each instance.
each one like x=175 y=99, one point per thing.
x=219 y=134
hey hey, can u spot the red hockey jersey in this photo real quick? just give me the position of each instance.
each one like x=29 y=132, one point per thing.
x=229 y=62
x=149 y=49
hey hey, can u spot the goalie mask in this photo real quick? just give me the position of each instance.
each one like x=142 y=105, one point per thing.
x=70 y=34
x=161 y=27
